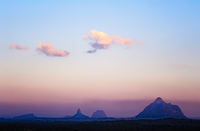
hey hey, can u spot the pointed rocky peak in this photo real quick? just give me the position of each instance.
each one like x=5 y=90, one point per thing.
x=158 y=100
x=78 y=111
x=79 y=115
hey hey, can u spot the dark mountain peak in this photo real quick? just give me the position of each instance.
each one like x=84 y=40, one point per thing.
x=78 y=111
x=159 y=98
x=161 y=109
x=158 y=101
x=99 y=114
x=79 y=115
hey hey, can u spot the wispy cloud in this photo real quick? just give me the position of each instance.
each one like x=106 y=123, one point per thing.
x=12 y=46
x=121 y=40
x=137 y=42
x=99 y=46
x=21 y=48
x=91 y=51
x=100 y=40
x=50 y=51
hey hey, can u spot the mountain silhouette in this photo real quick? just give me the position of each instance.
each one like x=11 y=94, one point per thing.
x=160 y=109
x=99 y=114
x=26 y=116
x=79 y=115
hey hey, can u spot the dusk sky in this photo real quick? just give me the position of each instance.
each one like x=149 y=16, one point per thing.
x=113 y=55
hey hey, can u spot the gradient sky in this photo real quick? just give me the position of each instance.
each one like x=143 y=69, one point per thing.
x=87 y=66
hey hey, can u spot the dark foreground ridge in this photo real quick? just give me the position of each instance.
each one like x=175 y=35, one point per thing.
x=160 y=109
x=168 y=124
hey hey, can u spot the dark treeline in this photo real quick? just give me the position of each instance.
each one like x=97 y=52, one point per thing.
x=117 y=125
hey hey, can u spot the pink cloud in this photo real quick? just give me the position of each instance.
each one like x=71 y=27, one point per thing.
x=21 y=48
x=103 y=41
x=12 y=46
x=100 y=37
x=50 y=51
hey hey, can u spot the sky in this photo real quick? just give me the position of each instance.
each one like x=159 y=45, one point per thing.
x=118 y=56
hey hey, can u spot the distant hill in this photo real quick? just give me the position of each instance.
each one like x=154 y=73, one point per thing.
x=160 y=109
x=67 y=116
x=99 y=114
x=79 y=115
x=26 y=116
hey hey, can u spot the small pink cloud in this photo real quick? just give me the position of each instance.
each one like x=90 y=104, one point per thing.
x=50 y=51
x=21 y=48
x=100 y=37
x=12 y=46
x=103 y=40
